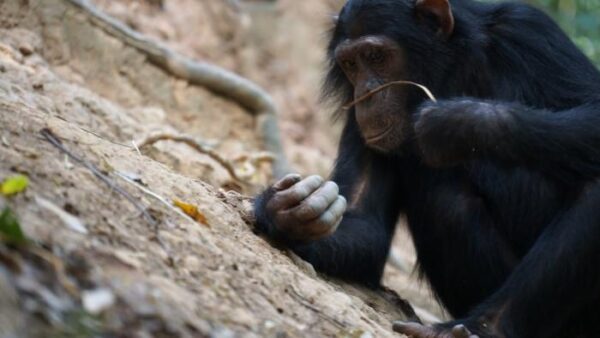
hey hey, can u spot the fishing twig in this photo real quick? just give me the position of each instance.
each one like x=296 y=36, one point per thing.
x=53 y=139
x=199 y=147
x=219 y=80
x=386 y=85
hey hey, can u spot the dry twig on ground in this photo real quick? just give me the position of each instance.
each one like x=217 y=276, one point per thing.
x=54 y=140
x=156 y=196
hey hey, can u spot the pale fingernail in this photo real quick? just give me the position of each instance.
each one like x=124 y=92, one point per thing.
x=317 y=179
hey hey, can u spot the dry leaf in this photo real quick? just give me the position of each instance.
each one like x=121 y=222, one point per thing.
x=192 y=211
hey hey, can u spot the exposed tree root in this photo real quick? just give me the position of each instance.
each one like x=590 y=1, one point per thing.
x=217 y=79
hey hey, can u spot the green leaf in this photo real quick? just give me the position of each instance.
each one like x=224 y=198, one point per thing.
x=14 y=185
x=10 y=229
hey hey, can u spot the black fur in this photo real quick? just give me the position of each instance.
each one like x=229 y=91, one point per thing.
x=500 y=186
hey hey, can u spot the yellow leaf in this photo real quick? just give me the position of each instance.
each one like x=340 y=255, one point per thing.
x=14 y=185
x=192 y=211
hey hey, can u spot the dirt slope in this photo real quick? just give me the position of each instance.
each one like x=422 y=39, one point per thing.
x=97 y=264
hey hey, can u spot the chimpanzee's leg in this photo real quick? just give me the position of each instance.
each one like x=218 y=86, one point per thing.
x=458 y=246
x=557 y=281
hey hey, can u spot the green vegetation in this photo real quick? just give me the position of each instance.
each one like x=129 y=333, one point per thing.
x=580 y=19
x=10 y=229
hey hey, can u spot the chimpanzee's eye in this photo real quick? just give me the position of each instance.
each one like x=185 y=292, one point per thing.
x=375 y=57
x=349 y=65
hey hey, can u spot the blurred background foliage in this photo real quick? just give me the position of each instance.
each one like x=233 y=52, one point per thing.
x=580 y=19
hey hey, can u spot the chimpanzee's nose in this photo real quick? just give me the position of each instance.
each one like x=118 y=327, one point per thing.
x=368 y=86
x=371 y=84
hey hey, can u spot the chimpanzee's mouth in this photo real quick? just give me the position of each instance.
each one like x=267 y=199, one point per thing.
x=379 y=136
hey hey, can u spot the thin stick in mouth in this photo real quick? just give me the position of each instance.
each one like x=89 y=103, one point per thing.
x=386 y=85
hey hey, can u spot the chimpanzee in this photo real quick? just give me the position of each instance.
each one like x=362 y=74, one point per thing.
x=498 y=179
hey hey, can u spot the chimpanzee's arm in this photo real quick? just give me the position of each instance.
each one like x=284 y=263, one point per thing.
x=358 y=249
x=565 y=142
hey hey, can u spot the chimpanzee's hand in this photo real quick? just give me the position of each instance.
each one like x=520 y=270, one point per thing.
x=453 y=131
x=304 y=209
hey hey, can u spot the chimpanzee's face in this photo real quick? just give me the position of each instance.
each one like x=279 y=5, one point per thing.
x=376 y=42
x=369 y=62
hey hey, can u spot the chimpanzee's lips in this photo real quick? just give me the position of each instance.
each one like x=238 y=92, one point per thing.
x=378 y=136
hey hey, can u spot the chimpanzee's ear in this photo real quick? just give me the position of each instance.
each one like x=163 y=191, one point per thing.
x=441 y=10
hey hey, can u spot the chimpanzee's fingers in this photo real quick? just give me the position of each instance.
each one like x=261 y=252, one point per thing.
x=316 y=204
x=339 y=208
x=292 y=196
x=327 y=223
x=287 y=181
x=322 y=226
x=461 y=331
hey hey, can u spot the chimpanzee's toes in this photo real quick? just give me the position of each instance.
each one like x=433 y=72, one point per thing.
x=461 y=331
